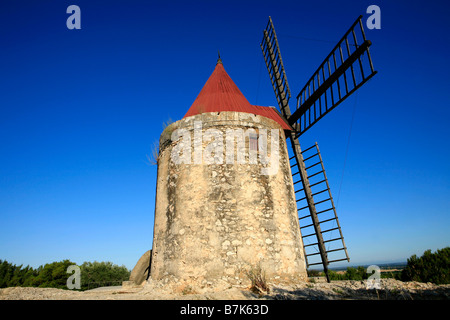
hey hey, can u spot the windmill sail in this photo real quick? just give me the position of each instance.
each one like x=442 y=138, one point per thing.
x=328 y=87
x=274 y=64
x=344 y=70
x=275 y=67
x=333 y=243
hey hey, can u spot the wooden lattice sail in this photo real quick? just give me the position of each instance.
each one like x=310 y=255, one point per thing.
x=341 y=73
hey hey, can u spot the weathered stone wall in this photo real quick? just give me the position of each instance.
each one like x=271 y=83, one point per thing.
x=216 y=221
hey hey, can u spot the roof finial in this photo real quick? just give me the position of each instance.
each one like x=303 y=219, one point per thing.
x=219 y=60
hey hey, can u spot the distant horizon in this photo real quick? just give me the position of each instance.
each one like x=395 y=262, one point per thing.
x=339 y=265
x=331 y=267
x=376 y=263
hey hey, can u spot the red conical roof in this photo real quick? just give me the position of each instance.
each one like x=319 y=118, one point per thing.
x=220 y=93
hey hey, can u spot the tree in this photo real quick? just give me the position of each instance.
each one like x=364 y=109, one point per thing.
x=15 y=276
x=5 y=273
x=356 y=274
x=53 y=275
x=102 y=274
x=430 y=267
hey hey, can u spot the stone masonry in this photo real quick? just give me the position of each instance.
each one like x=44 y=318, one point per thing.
x=217 y=221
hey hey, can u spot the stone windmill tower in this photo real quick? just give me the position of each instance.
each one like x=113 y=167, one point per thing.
x=231 y=197
x=225 y=200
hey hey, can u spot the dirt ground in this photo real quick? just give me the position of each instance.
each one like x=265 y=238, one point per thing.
x=389 y=289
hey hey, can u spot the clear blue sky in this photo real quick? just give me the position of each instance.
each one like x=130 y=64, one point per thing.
x=81 y=110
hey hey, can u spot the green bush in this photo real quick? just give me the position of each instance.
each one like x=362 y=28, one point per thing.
x=351 y=273
x=391 y=275
x=54 y=275
x=430 y=267
x=333 y=275
x=98 y=274
x=15 y=276
x=313 y=273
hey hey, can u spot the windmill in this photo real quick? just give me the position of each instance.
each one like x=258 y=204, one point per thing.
x=346 y=68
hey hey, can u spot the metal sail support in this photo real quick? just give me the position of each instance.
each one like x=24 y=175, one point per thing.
x=274 y=64
x=321 y=222
x=344 y=70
